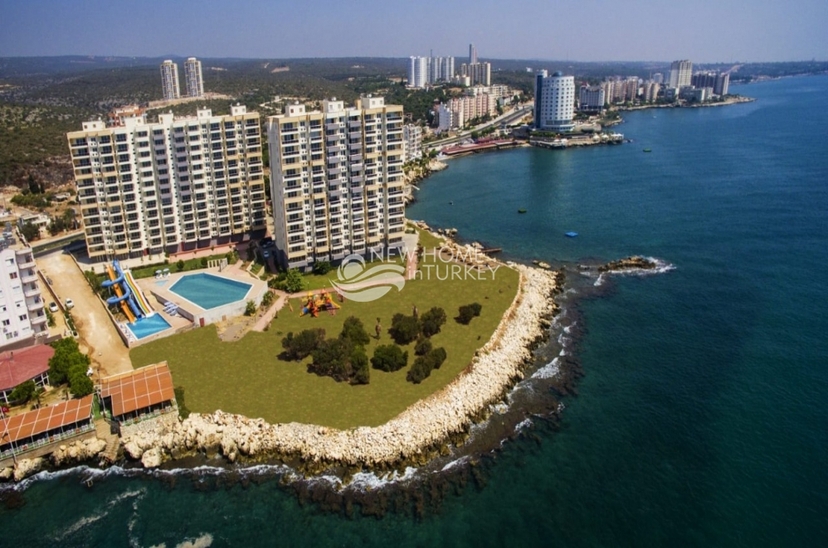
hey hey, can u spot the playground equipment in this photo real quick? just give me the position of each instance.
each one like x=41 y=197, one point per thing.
x=315 y=303
x=127 y=294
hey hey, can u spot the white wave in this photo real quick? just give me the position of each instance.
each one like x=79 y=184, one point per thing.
x=87 y=520
x=499 y=407
x=599 y=281
x=369 y=481
x=548 y=371
x=524 y=424
x=203 y=541
x=457 y=462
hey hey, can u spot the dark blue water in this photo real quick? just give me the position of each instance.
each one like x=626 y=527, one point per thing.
x=702 y=417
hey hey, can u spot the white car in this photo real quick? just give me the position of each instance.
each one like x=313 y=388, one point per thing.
x=53 y=307
x=70 y=304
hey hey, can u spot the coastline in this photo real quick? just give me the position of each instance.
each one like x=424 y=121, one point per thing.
x=411 y=438
x=737 y=100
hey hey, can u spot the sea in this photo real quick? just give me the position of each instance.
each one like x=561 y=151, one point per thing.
x=701 y=416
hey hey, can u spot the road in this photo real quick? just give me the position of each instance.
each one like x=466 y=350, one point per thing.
x=98 y=337
x=507 y=118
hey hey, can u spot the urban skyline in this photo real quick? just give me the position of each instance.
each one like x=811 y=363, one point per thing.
x=711 y=32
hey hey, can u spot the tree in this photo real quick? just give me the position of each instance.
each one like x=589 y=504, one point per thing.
x=294 y=281
x=250 y=308
x=67 y=359
x=389 y=357
x=80 y=384
x=354 y=331
x=404 y=329
x=432 y=321
x=23 y=392
x=302 y=345
x=30 y=232
x=423 y=365
x=333 y=359
x=467 y=312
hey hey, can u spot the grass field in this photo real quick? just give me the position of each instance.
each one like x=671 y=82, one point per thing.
x=246 y=377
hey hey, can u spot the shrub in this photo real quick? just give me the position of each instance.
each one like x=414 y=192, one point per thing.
x=204 y=262
x=179 y=265
x=250 y=308
x=321 y=267
x=267 y=299
x=23 y=392
x=423 y=347
x=354 y=331
x=389 y=357
x=404 y=329
x=293 y=281
x=302 y=345
x=423 y=365
x=467 y=312
x=359 y=365
x=332 y=358
x=432 y=321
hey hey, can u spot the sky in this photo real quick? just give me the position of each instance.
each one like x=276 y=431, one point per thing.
x=581 y=30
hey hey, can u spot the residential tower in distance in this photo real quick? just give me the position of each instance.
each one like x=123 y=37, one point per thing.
x=173 y=185
x=336 y=180
x=193 y=77
x=680 y=73
x=169 y=80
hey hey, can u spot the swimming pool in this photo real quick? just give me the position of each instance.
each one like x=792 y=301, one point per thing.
x=209 y=291
x=150 y=325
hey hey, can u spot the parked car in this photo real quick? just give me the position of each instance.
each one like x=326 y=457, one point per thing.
x=53 y=307
x=70 y=304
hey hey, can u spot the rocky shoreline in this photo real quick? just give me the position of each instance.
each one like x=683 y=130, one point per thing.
x=411 y=438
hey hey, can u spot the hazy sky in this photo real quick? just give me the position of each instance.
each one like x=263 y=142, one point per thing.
x=584 y=30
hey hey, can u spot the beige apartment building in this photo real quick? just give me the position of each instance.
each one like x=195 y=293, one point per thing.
x=173 y=185
x=336 y=181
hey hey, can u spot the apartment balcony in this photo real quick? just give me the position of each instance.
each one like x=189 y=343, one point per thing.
x=28 y=278
x=334 y=172
x=25 y=261
x=334 y=126
x=36 y=304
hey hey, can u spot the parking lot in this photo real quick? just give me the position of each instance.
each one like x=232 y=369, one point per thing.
x=98 y=337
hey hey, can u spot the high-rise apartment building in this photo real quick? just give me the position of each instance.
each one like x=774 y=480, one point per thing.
x=193 y=77
x=169 y=80
x=336 y=180
x=591 y=98
x=680 y=73
x=478 y=73
x=429 y=70
x=722 y=85
x=554 y=101
x=412 y=142
x=22 y=314
x=472 y=54
x=177 y=184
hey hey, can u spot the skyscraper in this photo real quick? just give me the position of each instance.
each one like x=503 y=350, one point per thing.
x=472 y=54
x=168 y=186
x=554 y=101
x=192 y=77
x=169 y=80
x=336 y=180
x=680 y=73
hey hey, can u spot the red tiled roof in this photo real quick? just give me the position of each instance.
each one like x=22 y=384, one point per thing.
x=18 y=366
x=26 y=425
x=138 y=389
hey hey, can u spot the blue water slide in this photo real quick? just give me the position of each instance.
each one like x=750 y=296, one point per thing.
x=115 y=299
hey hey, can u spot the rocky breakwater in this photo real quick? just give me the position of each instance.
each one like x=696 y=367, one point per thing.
x=65 y=455
x=630 y=263
x=410 y=438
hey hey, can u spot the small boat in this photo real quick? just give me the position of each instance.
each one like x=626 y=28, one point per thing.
x=648 y=150
x=571 y=234
x=521 y=211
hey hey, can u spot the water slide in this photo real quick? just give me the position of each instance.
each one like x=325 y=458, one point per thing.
x=140 y=298
x=133 y=302
x=121 y=297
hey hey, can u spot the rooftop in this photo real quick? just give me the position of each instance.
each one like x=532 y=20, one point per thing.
x=138 y=389
x=18 y=366
x=27 y=425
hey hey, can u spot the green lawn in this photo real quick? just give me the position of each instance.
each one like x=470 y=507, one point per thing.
x=246 y=376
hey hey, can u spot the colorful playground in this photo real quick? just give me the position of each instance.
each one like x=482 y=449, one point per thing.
x=313 y=304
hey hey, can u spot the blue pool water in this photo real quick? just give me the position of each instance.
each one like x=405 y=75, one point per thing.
x=209 y=291
x=144 y=327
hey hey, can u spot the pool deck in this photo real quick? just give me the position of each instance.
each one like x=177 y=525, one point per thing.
x=160 y=289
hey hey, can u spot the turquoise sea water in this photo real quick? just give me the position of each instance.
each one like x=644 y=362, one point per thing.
x=701 y=419
x=208 y=291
